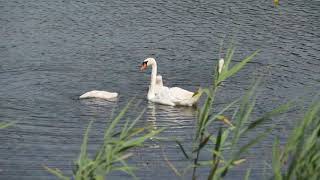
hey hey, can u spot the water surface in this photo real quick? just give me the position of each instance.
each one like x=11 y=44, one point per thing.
x=53 y=51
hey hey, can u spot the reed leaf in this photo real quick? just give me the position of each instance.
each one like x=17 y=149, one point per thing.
x=243 y=113
x=113 y=153
x=218 y=115
x=215 y=160
x=83 y=157
x=116 y=120
x=5 y=125
x=137 y=118
x=202 y=143
x=275 y=112
x=229 y=56
x=276 y=163
x=224 y=170
x=301 y=149
x=182 y=149
x=230 y=72
x=254 y=141
x=57 y=173
x=247 y=177
x=173 y=168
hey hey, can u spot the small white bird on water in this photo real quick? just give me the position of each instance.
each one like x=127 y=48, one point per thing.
x=99 y=94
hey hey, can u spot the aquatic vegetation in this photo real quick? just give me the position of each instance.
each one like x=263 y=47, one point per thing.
x=5 y=124
x=113 y=153
x=300 y=156
x=298 y=159
x=227 y=138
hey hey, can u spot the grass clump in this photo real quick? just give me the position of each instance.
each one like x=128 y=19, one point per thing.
x=226 y=151
x=299 y=159
x=300 y=156
x=112 y=154
x=227 y=138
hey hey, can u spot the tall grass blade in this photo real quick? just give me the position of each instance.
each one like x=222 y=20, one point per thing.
x=173 y=168
x=229 y=56
x=244 y=148
x=275 y=112
x=203 y=117
x=276 y=164
x=138 y=117
x=215 y=160
x=236 y=67
x=244 y=112
x=247 y=177
x=216 y=116
x=254 y=141
x=128 y=169
x=57 y=173
x=116 y=120
x=5 y=125
x=182 y=149
x=139 y=140
x=112 y=154
x=202 y=144
x=83 y=157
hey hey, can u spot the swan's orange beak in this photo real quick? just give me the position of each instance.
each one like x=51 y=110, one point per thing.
x=143 y=66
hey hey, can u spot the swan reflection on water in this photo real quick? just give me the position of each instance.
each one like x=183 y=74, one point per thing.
x=179 y=124
x=99 y=107
x=170 y=117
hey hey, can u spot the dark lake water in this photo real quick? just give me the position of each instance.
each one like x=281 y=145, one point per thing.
x=53 y=51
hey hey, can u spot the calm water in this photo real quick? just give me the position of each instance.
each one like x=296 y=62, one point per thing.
x=52 y=52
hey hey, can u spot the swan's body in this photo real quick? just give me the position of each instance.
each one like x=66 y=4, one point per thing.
x=99 y=94
x=164 y=95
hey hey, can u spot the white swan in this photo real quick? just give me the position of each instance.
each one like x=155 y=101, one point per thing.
x=99 y=94
x=165 y=95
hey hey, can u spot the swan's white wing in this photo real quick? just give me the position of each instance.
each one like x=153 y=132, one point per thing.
x=180 y=94
x=162 y=96
x=174 y=96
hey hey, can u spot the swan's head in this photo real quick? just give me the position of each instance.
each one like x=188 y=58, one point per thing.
x=147 y=62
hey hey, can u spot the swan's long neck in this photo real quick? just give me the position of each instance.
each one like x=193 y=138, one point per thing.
x=151 y=92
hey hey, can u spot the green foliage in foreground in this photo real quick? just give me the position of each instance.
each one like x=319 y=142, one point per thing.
x=300 y=157
x=225 y=143
x=112 y=154
x=5 y=125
